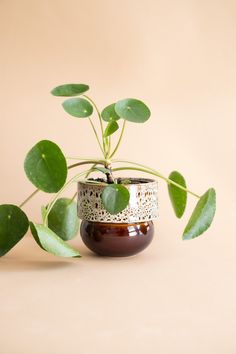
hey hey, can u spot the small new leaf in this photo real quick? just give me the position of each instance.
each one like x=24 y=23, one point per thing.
x=78 y=107
x=202 y=215
x=52 y=243
x=108 y=114
x=178 y=196
x=13 y=226
x=115 y=198
x=69 y=90
x=111 y=128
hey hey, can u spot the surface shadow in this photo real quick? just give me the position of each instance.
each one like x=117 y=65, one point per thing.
x=9 y=264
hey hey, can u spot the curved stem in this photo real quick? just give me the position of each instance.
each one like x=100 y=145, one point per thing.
x=53 y=201
x=28 y=198
x=100 y=118
x=94 y=165
x=119 y=141
x=96 y=134
x=97 y=162
x=156 y=173
x=83 y=158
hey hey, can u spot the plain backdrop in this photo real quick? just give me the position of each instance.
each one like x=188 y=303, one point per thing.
x=179 y=57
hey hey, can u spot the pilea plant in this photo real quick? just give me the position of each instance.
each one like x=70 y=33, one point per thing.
x=47 y=168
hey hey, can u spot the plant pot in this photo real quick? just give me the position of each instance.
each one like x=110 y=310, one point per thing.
x=126 y=233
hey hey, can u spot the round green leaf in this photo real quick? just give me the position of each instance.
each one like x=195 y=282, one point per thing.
x=69 y=90
x=45 y=166
x=78 y=107
x=108 y=114
x=52 y=243
x=13 y=226
x=111 y=128
x=202 y=215
x=63 y=219
x=115 y=198
x=132 y=110
x=178 y=196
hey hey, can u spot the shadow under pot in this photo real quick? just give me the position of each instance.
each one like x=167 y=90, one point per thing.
x=126 y=233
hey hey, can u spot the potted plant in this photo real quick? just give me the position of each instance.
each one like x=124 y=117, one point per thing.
x=117 y=213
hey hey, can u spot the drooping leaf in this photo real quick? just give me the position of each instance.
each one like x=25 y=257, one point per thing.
x=178 y=196
x=78 y=107
x=115 y=198
x=108 y=113
x=45 y=166
x=13 y=226
x=132 y=110
x=111 y=128
x=69 y=90
x=63 y=219
x=202 y=215
x=52 y=243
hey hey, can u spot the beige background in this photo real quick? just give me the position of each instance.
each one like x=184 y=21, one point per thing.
x=179 y=57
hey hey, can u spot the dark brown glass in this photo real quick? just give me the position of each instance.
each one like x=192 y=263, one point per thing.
x=116 y=240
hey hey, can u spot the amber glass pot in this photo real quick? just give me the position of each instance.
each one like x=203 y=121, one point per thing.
x=123 y=234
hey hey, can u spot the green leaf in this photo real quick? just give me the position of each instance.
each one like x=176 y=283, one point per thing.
x=68 y=90
x=108 y=114
x=115 y=198
x=13 y=226
x=63 y=219
x=45 y=166
x=52 y=243
x=202 y=215
x=111 y=128
x=78 y=107
x=132 y=110
x=178 y=196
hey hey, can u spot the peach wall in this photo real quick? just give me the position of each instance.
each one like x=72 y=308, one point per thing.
x=179 y=57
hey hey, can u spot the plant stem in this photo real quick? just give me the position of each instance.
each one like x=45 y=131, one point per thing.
x=96 y=134
x=83 y=158
x=155 y=173
x=72 y=199
x=119 y=141
x=100 y=118
x=97 y=162
x=53 y=201
x=28 y=198
x=94 y=165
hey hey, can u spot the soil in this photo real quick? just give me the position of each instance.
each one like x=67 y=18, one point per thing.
x=124 y=180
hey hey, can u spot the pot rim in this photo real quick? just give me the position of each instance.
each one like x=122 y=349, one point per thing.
x=146 y=181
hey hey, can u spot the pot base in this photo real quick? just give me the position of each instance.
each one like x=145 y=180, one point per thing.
x=116 y=240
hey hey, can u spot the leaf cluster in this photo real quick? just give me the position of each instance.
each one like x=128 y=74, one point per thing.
x=46 y=167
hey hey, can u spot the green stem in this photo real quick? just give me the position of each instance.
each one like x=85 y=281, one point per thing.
x=155 y=173
x=72 y=199
x=53 y=201
x=94 y=165
x=100 y=118
x=28 y=198
x=83 y=158
x=119 y=141
x=97 y=162
x=96 y=134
